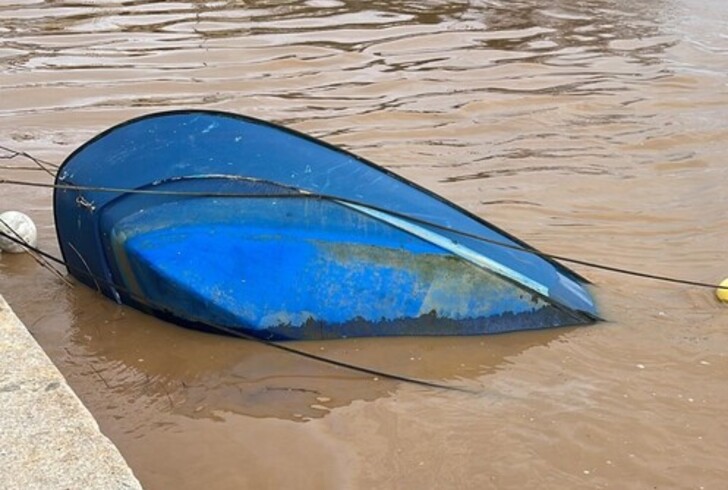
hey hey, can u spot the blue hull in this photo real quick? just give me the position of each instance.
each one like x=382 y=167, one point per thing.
x=240 y=225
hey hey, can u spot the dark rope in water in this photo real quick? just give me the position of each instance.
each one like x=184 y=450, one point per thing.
x=42 y=261
x=42 y=164
x=243 y=335
x=405 y=216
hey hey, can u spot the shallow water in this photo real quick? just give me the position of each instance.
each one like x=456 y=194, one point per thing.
x=594 y=129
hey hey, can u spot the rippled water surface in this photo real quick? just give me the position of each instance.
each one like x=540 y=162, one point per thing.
x=595 y=129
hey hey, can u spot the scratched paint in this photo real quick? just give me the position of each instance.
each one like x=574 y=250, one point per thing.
x=452 y=287
x=301 y=268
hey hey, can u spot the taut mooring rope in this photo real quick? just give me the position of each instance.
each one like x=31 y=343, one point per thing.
x=242 y=335
x=414 y=219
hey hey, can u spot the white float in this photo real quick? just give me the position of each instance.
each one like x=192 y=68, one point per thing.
x=19 y=226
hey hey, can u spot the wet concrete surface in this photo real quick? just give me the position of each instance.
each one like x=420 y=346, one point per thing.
x=48 y=439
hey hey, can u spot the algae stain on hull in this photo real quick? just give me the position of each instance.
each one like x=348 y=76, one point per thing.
x=444 y=285
x=314 y=287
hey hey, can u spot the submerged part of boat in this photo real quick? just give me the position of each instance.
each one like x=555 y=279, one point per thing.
x=218 y=221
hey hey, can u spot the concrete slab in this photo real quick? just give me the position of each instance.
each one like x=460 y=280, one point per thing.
x=48 y=439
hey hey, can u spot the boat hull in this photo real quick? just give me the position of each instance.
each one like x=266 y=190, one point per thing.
x=232 y=224
x=294 y=267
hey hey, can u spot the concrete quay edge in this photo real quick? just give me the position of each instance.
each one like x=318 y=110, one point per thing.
x=48 y=438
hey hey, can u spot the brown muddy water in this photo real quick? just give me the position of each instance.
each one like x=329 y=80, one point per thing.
x=596 y=129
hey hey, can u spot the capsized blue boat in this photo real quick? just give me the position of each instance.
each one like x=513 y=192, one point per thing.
x=219 y=221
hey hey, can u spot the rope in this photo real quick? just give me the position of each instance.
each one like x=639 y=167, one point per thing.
x=42 y=164
x=242 y=335
x=414 y=219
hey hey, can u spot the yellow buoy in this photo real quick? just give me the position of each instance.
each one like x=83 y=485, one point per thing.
x=722 y=293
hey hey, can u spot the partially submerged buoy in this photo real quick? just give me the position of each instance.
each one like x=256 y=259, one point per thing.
x=722 y=292
x=19 y=226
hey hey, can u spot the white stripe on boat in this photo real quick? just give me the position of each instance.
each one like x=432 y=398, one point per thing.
x=451 y=246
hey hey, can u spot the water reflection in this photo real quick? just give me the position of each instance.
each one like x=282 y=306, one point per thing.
x=560 y=33
x=164 y=368
x=593 y=129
